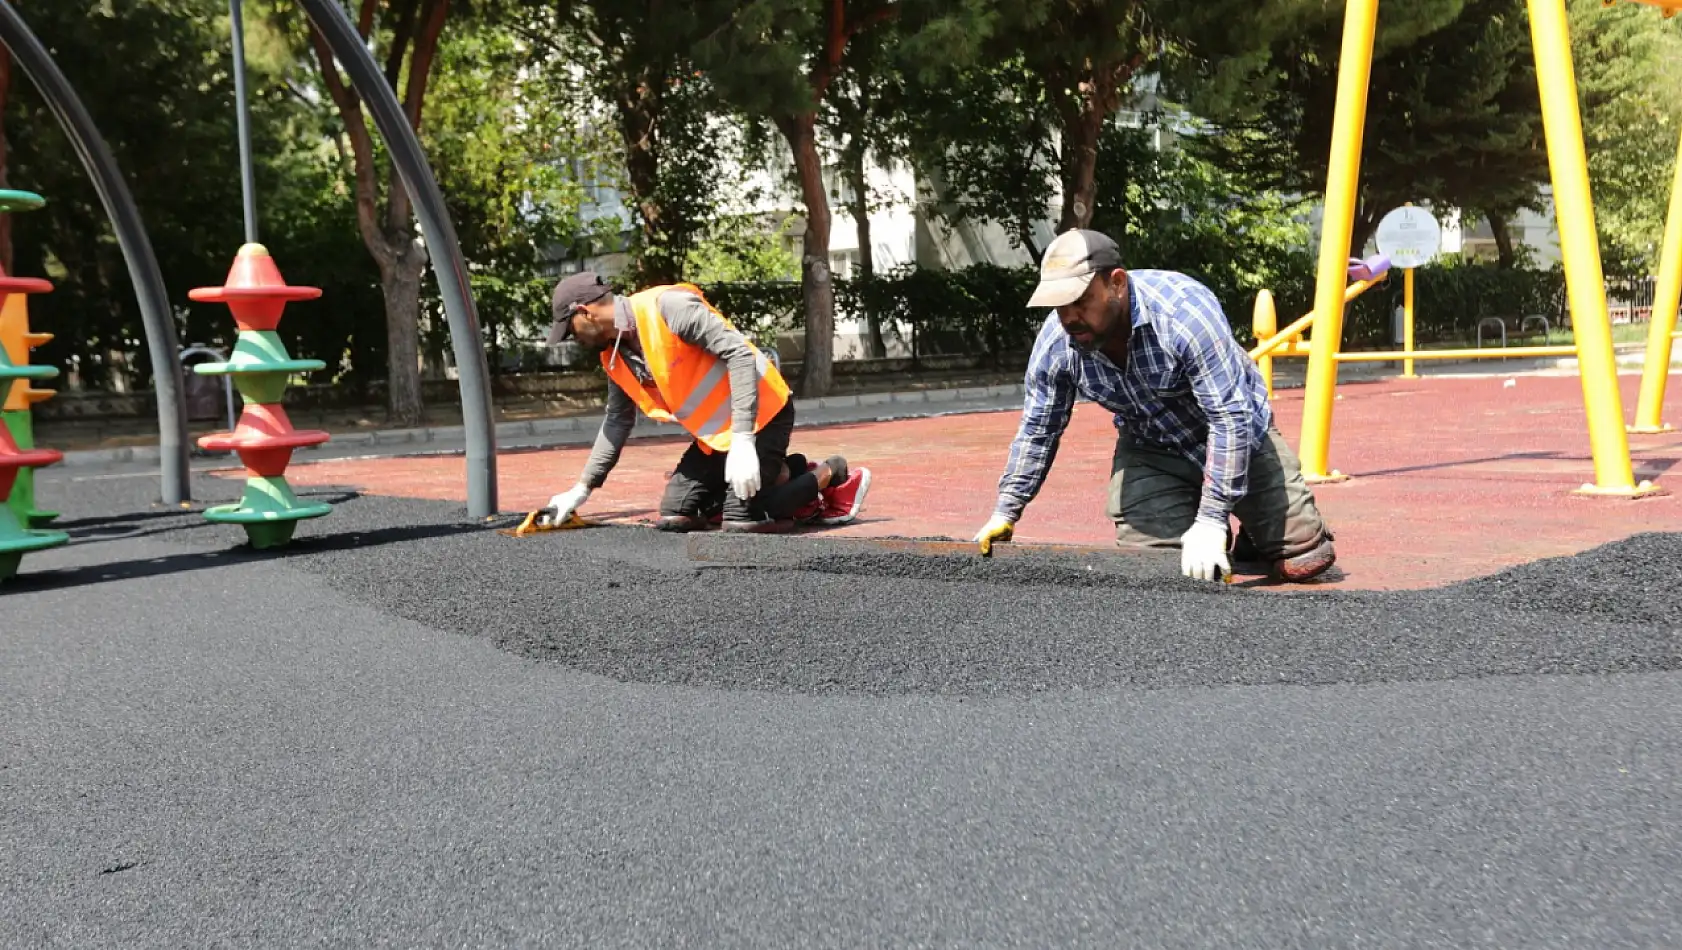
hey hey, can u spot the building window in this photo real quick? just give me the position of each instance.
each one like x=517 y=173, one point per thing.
x=843 y=263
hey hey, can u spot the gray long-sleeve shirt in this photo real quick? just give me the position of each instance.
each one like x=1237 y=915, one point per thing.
x=692 y=322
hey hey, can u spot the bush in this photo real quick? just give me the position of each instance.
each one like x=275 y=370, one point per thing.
x=983 y=308
x=1449 y=300
x=980 y=309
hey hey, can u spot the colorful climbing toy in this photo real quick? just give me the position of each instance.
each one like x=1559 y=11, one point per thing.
x=16 y=461
x=261 y=368
x=17 y=398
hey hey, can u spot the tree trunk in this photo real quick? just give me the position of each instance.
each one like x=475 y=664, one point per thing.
x=1503 y=233
x=1082 y=123
x=815 y=284
x=639 y=117
x=1025 y=237
x=1080 y=165
x=396 y=250
x=400 y=280
x=877 y=346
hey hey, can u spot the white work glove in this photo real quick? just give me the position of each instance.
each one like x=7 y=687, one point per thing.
x=997 y=529
x=741 y=466
x=1203 y=551
x=567 y=503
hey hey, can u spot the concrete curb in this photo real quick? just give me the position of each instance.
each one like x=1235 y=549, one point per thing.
x=582 y=427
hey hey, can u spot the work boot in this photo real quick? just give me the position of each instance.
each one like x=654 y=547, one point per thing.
x=1306 y=567
x=762 y=526
x=681 y=523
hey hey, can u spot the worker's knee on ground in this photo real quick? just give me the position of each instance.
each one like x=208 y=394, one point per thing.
x=686 y=497
x=1145 y=531
x=1306 y=565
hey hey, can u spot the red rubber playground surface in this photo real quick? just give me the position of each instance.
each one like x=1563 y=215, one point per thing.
x=1452 y=477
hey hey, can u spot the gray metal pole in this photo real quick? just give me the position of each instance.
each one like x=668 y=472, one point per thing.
x=406 y=153
x=155 y=311
x=247 y=179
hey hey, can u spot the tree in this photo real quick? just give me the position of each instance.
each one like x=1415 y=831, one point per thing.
x=636 y=56
x=739 y=248
x=407 y=34
x=985 y=140
x=868 y=95
x=1629 y=65
x=5 y=220
x=505 y=135
x=156 y=75
x=1452 y=118
x=1085 y=54
x=1170 y=208
x=1000 y=140
x=779 y=60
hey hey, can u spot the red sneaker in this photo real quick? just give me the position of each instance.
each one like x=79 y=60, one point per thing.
x=841 y=503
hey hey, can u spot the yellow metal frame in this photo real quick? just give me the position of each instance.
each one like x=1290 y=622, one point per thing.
x=1264 y=322
x=1573 y=212
x=1649 y=407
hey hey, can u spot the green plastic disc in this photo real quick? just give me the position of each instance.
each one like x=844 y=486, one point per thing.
x=239 y=514
x=33 y=541
x=10 y=371
x=11 y=201
x=283 y=366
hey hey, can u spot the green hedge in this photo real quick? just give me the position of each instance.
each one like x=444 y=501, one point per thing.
x=1448 y=303
x=982 y=308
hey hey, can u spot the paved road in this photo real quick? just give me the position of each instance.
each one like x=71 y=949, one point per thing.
x=343 y=747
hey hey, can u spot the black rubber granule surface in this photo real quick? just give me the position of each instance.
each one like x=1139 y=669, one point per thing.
x=628 y=603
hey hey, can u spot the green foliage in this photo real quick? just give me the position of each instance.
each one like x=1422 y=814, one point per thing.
x=1173 y=209
x=986 y=142
x=740 y=248
x=760 y=309
x=1629 y=63
x=503 y=151
x=1452 y=116
x=154 y=75
x=1449 y=299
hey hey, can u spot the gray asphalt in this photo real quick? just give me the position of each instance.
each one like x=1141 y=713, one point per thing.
x=410 y=731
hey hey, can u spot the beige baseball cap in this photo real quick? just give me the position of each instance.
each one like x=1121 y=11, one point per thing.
x=1069 y=264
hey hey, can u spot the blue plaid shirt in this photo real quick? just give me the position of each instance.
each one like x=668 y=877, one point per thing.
x=1188 y=387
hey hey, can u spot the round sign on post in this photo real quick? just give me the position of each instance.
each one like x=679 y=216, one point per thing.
x=1410 y=237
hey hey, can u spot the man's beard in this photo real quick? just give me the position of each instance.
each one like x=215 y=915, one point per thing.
x=1087 y=346
x=1120 y=330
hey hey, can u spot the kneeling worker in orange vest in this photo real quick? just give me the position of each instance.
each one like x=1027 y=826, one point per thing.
x=669 y=353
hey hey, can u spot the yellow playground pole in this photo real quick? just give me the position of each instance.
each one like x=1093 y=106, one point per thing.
x=1580 y=251
x=1407 y=322
x=1264 y=322
x=1337 y=225
x=1649 y=409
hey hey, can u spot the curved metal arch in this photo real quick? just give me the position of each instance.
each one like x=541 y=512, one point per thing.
x=441 y=242
x=155 y=312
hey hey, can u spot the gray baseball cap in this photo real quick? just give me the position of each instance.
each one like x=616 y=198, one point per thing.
x=572 y=292
x=1069 y=264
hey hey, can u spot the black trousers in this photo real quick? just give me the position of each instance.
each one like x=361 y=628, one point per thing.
x=699 y=489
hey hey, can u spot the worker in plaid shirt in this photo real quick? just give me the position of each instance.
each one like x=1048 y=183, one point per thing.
x=1196 y=443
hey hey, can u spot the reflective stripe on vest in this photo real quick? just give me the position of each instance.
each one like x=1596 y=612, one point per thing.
x=691 y=386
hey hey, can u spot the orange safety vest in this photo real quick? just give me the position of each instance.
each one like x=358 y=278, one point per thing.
x=691 y=386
